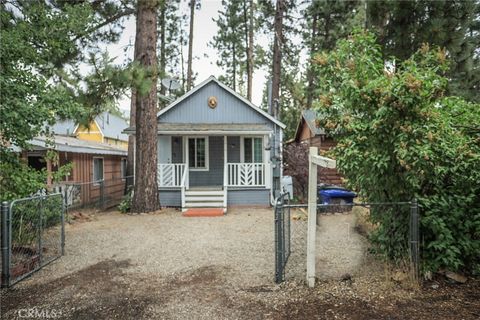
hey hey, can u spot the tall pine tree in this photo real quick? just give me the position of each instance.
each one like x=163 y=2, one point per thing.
x=145 y=198
x=231 y=44
x=402 y=27
x=325 y=21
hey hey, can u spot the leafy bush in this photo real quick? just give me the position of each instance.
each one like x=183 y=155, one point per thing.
x=399 y=137
x=17 y=180
x=126 y=204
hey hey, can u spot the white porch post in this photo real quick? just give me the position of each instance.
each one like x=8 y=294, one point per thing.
x=268 y=166
x=312 y=216
x=225 y=172
x=185 y=160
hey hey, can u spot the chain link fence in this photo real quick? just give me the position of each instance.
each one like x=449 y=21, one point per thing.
x=101 y=194
x=32 y=235
x=342 y=238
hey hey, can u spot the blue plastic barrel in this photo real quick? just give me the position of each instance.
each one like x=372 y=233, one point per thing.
x=326 y=195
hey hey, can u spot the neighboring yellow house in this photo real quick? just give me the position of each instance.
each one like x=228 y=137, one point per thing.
x=105 y=128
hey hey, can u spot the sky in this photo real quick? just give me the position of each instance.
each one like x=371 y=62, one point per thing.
x=204 y=30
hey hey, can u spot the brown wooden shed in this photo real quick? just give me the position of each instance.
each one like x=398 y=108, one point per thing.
x=308 y=132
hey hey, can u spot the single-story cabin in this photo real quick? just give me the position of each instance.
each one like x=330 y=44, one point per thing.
x=99 y=169
x=215 y=149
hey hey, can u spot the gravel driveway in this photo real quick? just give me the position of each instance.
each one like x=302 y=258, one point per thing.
x=164 y=256
x=165 y=266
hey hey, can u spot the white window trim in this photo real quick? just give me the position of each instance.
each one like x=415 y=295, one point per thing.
x=207 y=152
x=93 y=170
x=242 y=148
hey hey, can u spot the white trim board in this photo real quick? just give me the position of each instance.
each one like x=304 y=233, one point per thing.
x=210 y=79
x=214 y=132
x=207 y=153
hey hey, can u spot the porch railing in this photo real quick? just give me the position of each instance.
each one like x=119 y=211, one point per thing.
x=246 y=174
x=170 y=174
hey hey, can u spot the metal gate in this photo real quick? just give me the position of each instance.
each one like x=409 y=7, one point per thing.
x=33 y=235
x=282 y=236
x=291 y=232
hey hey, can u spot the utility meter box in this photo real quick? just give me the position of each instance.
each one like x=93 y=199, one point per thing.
x=287 y=185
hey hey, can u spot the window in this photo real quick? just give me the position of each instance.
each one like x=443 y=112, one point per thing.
x=253 y=150
x=198 y=153
x=97 y=169
x=123 y=168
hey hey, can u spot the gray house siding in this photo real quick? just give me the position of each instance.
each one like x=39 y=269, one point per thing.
x=214 y=176
x=177 y=149
x=229 y=109
x=254 y=197
x=170 y=198
x=233 y=144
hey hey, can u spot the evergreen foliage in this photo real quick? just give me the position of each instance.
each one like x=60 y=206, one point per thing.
x=403 y=26
x=40 y=78
x=231 y=46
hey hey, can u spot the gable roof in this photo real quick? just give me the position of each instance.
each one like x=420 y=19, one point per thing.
x=309 y=117
x=232 y=92
x=110 y=125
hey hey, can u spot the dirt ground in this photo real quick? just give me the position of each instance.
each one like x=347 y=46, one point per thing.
x=165 y=266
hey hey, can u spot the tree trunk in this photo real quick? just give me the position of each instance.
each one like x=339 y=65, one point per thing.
x=234 y=66
x=182 y=64
x=249 y=44
x=277 y=55
x=310 y=73
x=163 y=62
x=145 y=197
x=190 y=45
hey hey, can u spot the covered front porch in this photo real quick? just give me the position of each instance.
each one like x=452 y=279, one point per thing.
x=205 y=169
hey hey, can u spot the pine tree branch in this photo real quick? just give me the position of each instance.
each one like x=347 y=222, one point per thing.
x=111 y=19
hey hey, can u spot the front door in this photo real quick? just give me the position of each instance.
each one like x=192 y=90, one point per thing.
x=164 y=149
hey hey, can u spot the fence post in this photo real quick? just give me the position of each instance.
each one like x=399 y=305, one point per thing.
x=278 y=243
x=40 y=218
x=62 y=232
x=414 y=241
x=5 y=221
x=312 y=217
x=102 y=194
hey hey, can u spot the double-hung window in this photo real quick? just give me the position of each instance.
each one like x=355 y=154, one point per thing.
x=198 y=153
x=252 y=150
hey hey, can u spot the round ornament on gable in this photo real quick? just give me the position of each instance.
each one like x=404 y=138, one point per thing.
x=212 y=102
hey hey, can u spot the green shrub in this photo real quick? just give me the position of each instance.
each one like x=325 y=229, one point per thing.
x=400 y=137
x=125 y=205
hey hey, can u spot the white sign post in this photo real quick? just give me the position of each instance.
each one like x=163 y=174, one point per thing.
x=314 y=161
